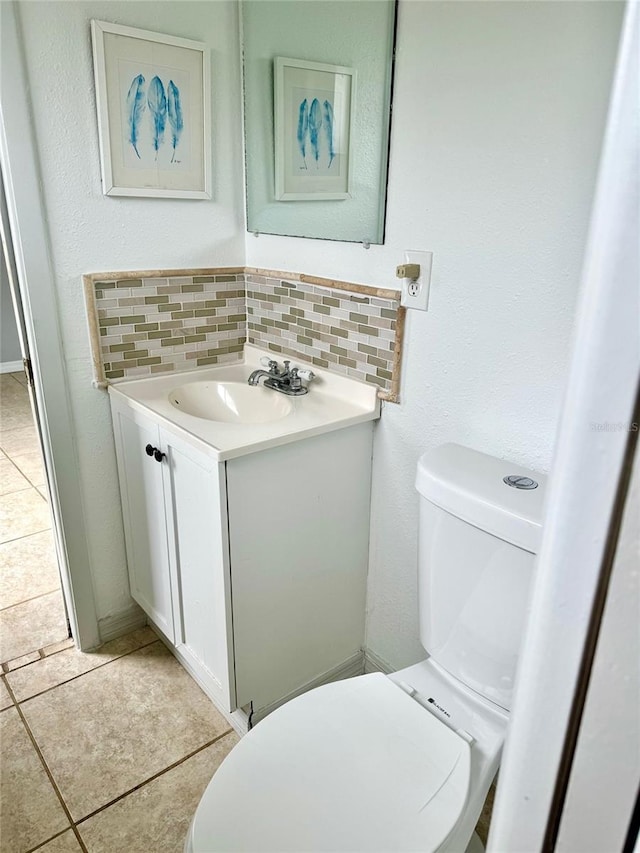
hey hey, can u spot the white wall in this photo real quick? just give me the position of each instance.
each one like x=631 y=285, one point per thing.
x=9 y=343
x=495 y=175
x=498 y=116
x=91 y=233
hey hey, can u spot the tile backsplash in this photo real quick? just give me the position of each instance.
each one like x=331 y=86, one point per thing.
x=350 y=333
x=158 y=324
x=160 y=321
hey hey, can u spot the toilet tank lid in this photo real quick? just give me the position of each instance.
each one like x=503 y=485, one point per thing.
x=470 y=485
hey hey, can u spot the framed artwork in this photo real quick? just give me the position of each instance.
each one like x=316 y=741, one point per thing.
x=313 y=122
x=154 y=113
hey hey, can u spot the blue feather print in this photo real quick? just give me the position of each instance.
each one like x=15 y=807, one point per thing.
x=315 y=123
x=157 y=101
x=328 y=127
x=303 y=126
x=135 y=107
x=174 y=111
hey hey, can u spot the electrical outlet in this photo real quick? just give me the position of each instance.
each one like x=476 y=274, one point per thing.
x=415 y=292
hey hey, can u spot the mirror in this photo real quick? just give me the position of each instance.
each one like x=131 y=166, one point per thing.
x=317 y=99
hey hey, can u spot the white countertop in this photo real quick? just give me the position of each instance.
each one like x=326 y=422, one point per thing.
x=333 y=402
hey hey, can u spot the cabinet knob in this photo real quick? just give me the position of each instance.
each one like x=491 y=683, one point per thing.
x=159 y=455
x=149 y=450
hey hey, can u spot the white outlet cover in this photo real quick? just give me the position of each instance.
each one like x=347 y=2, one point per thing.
x=415 y=293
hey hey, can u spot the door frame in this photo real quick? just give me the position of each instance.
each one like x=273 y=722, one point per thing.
x=589 y=477
x=31 y=248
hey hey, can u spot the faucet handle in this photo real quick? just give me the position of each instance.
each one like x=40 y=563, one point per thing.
x=307 y=375
x=265 y=361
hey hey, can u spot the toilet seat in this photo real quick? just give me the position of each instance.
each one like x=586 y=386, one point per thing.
x=356 y=765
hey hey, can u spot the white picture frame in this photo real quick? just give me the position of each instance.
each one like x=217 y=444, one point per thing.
x=153 y=104
x=313 y=130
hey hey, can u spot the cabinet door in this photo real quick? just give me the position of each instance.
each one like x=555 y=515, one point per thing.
x=299 y=533
x=143 y=510
x=195 y=488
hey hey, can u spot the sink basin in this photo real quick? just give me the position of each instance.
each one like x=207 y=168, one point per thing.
x=230 y=402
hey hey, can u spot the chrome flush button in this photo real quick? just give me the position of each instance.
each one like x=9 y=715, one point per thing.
x=518 y=482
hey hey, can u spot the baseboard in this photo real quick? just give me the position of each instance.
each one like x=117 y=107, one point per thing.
x=374 y=663
x=348 y=669
x=119 y=624
x=11 y=366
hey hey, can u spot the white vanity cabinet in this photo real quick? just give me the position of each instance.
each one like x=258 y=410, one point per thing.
x=254 y=567
x=174 y=513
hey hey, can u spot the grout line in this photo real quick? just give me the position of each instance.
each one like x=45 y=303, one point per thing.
x=10 y=692
x=33 y=598
x=46 y=769
x=53 y=837
x=24 y=535
x=9 y=459
x=156 y=776
x=75 y=677
x=16 y=491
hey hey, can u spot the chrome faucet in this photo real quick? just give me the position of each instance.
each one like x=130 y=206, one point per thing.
x=287 y=381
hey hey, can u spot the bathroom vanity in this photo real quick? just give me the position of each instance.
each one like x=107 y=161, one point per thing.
x=247 y=536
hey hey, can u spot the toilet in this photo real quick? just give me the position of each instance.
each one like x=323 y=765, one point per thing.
x=401 y=762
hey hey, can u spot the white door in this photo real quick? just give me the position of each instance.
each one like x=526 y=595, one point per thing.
x=143 y=510
x=196 y=509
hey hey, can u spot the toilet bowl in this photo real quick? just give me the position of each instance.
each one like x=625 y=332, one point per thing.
x=357 y=765
x=399 y=762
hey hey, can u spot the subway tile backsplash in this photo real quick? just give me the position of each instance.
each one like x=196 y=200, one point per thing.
x=156 y=325
x=350 y=333
x=180 y=320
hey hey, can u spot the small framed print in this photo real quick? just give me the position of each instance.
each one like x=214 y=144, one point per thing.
x=313 y=121
x=154 y=113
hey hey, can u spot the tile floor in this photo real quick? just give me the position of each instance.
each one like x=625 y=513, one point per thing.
x=103 y=751
x=32 y=613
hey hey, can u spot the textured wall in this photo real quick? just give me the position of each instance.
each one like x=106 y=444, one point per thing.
x=90 y=232
x=498 y=115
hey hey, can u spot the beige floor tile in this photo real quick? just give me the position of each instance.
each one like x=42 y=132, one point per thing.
x=11 y=479
x=32 y=625
x=484 y=822
x=5 y=700
x=11 y=390
x=20 y=377
x=23 y=660
x=31 y=811
x=14 y=441
x=157 y=816
x=65 y=843
x=15 y=412
x=30 y=464
x=28 y=568
x=114 y=727
x=53 y=648
x=22 y=514
x=71 y=663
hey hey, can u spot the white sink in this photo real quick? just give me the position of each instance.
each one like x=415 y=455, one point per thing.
x=230 y=402
x=215 y=406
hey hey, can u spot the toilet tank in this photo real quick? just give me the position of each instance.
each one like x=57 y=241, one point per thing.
x=477 y=541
